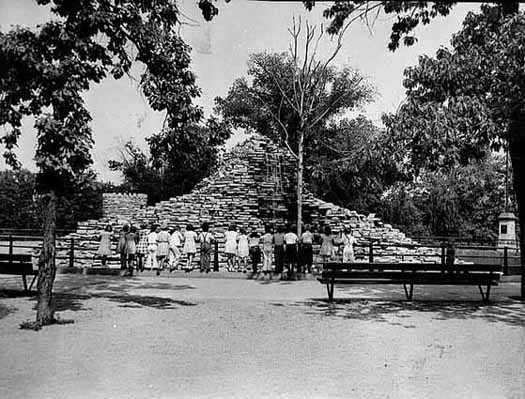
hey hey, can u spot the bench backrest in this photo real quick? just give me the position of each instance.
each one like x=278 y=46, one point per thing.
x=412 y=267
x=16 y=264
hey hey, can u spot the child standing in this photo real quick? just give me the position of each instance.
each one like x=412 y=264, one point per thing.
x=243 y=250
x=278 y=241
x=307 y=239
x=175 y=243
x=151 y=259
x=348 y=245
x=327 y=245
x=190 y=247
x=121 y=248
x=104 y=248
x=142 y=247
x=206 y=239
x=255 y=250
x=290 y=251
x=131 y=249
x=163 y=245
x=267 y=241
x=230 y=247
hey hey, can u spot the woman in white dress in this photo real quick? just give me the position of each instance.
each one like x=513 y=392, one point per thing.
x=230 y=247
x=190 y=246
x=243 y=249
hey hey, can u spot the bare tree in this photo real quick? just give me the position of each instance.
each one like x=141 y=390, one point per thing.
x=314 y=92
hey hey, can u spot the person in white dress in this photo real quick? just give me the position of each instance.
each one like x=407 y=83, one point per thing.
x=190 y=246
x=348 y=245
x=230 y=247
x=243 y=249
x=267 y=242
x=175 y=244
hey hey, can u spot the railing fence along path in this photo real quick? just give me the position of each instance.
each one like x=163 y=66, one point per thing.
x=71 y=252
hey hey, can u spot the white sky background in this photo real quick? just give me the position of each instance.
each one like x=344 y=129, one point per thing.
x=220 y=51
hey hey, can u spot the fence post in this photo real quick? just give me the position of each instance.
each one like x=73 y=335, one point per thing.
x=443 y=253
x=371 y=252
x=505 y=261
x=216 y=257
x=10 y=248
x=72 y=253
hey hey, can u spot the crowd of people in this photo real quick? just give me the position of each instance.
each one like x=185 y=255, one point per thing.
x=278 y=251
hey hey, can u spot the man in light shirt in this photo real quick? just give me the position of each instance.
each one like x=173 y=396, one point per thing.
x=290 y=251
x=151 y=259
x=306 y=253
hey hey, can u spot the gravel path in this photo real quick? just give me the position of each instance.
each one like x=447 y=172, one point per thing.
x=149 y=337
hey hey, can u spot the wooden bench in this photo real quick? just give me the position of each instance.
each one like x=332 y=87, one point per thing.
x=18 y=264
x=410 y=274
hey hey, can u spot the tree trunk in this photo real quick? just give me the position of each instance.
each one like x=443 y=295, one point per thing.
x=300 y=167
x=517 y=151
x=47 y=266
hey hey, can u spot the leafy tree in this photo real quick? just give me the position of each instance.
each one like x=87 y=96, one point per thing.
x=45 y=71
x=469 y=99
x=23 y=206
x=352 y=165
x=17 y=189
x=178 y=160
x=464 y=201
x=297 y=93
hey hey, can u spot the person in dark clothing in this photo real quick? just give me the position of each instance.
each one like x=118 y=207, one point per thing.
x=278 y=242
x=255 y=250
x=306 y=252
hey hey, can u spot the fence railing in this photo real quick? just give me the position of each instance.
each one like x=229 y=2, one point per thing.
x=71 y=251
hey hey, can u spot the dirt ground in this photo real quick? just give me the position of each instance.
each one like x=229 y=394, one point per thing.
x=166 y=337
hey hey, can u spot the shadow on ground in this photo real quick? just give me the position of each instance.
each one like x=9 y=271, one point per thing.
x=75 y=301
x=5 y=310
x=71 y=293
x=508 y=312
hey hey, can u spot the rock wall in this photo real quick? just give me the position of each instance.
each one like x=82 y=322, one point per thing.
x=253 y=186
x=123 y=206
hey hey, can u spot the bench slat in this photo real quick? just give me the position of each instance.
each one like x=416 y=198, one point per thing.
x=411 y=266
x=17 y=268
x=438 y=276
x=16 y=257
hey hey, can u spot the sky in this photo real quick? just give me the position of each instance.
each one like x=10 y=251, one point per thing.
x=220 y=50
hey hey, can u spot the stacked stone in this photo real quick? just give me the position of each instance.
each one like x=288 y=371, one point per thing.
x=253 y=186
x=123 y=206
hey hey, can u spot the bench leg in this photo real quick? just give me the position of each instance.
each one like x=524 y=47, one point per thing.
x=330 y=289
x=33 y=281
x=408 y=293
x=25 y=282
x=485 y=295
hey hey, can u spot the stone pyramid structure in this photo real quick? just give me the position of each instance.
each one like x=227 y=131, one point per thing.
x=254 y=185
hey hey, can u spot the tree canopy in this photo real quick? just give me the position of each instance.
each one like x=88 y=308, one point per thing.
x=459 y=102
x=46 y=70
x=178 y=160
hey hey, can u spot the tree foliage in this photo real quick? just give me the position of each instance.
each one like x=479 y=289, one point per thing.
x=352 y=164
x=23 y=208
x=464 y=201
x=178 y=160
x=45 y=71
x=459 y=103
